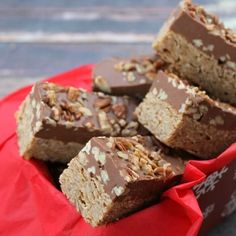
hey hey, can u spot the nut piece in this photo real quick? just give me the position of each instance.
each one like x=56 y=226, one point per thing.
x=89 y=125
x=101 y=83
x=130 y=129
x=151 y=75
x=104 y=176
x=51 y=98
x=92 y=170
x=162 y=95
x=119 y=110
x=83 y=158
x=87 y=148
x=102 y=102
x=123 y=144
x=122 y=122
x=73 y=94
x=198 y=43
x=104 y=123
x=218 y=120
x=117 y=190
x=130 y=76
x=55 y=113
x=145 y=66
x=110 y=144
x=154 y=92
x=85 y=111
x=101 y=157
x=123 y=155
x=50 y=121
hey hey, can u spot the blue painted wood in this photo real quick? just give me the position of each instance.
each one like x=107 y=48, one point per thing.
x=36 y=60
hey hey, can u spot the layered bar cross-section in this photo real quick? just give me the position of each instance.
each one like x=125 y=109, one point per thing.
x=54 y=122
x=184 y=117
x=113 y=177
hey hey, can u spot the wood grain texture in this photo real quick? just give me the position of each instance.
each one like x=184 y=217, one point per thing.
x=33 y=61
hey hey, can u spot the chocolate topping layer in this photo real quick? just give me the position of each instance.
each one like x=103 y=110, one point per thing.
x=120 y=161
x=70 y=114
x=176 y=97
x=193 y=102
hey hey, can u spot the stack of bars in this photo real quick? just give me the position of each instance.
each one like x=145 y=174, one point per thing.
x=129 y=140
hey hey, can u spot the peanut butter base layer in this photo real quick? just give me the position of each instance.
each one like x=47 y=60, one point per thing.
x=113 y=177
x=54 y=122
x=184 y=117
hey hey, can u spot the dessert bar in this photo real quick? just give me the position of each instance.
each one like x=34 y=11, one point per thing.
x=200 y=49
x=184 y=117
x=113 y=177
x=54 y=122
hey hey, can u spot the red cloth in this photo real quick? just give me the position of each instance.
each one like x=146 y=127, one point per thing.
x=31 y=205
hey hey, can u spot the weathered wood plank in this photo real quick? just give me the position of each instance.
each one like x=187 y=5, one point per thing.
x=90 y=19
x=46 y=59
x=93 y=19
x=119 y=25
x=65 y=3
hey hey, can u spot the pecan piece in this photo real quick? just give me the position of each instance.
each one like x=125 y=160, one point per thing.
x=102 y=102
x=119 y=110
x=159 y=63
x=102 y=84
x=51 y=98
x=73 y=94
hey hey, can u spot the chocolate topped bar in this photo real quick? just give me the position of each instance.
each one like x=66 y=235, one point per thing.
x=60 y=120
x=185 y=117
x=200 y=49
x=131 y=77
x=207 y=32
x=113 y=177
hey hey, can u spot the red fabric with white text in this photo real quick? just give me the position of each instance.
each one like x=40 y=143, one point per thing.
x=31 y=205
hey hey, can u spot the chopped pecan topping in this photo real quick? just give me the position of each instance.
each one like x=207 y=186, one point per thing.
x=51 y=94
x=123 y=144
x=85 y=111
x=145 y=66
x=104 y=122
x=102 y=102
x=158 y=64
x=125 y=66
x=73 y=94
x=56 y=112
x=151 y=75
x=141 y=158
x=211 y=22
x=101 y=83
x=119 y=110
x=118 y=190
x=89 y=125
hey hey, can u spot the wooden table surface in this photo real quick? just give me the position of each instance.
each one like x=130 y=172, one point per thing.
x=39 y=38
